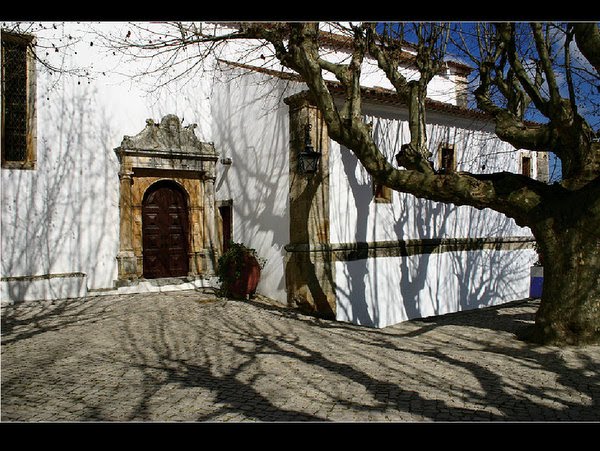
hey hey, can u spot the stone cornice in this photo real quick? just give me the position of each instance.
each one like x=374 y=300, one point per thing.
x=168 y=146
x=167 y=138
x=403 y=248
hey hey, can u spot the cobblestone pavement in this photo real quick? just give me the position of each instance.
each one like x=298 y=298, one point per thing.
x=189 y=357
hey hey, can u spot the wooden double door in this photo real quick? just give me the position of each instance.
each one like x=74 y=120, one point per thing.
x=165 y=231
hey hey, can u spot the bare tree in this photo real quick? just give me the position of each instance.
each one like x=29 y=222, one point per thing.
x=50 y=53
x=520 y=69
x=530 y=67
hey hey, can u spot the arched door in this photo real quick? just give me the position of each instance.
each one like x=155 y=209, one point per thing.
x=165 y=231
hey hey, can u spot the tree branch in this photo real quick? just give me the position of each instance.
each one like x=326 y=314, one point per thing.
x=546 y=62
x=507 y=35
x=587 y=37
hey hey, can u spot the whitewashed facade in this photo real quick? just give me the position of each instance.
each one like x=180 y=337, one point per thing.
x=62 y=221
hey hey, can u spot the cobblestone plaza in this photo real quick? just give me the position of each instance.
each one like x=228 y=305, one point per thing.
x=193 y=357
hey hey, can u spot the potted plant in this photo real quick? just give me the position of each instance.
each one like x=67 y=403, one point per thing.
x=239 y=270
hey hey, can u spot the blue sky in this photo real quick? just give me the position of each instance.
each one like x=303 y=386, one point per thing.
x=585 y=80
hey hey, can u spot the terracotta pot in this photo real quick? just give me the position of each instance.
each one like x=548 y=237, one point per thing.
x=248 y=281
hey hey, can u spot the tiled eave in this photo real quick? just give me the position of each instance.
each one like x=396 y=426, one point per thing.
x=376 y=94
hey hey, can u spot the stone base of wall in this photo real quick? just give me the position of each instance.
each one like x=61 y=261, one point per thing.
x=310 y=284
x=42 y=287
x=330 y=280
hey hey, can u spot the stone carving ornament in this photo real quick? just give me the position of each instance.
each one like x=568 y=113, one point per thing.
x=168 y=136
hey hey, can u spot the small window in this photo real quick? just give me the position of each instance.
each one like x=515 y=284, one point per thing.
x=447 y=159
x=526 y=166
x=18 y=102
x=382 y=193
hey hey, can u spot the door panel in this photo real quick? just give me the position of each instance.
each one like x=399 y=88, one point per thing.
x=164 y=230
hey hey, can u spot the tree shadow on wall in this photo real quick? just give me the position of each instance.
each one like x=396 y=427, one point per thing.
x=463 y=280
x=361 y=193
x=429 y=282
x=251 y=125
x=50 y=218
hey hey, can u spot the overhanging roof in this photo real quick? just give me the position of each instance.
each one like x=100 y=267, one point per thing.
x=373 y=94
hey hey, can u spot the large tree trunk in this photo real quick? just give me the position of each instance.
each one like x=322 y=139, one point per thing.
x=569 y=312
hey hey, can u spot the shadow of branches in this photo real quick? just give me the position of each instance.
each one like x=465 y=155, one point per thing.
x=23 y=321
x=191 y=357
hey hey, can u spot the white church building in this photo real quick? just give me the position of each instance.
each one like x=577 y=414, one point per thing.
x=97 y=170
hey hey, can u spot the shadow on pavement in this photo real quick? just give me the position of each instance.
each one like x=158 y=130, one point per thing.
x=189 y=357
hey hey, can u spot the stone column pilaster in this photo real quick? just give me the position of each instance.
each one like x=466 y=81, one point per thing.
x=126 y=258
x=211 y=239
x=309 y=268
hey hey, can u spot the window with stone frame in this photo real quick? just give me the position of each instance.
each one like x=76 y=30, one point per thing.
x=18 y=101
x=526 y=165
x=447 y=158
x=382 y=193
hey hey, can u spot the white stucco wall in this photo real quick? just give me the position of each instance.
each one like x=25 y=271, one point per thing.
x=63 y=217
x=385 y=290
x=251 y=126
x=355 y=217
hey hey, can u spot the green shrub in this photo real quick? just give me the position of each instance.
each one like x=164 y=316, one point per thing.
x=231 y=264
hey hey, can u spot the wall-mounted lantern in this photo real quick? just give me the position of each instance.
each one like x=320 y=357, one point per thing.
x=308 y=160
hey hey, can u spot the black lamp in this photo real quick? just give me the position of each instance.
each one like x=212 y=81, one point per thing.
x=309 y=159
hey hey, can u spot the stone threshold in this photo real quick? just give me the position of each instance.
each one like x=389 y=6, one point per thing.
x=156 y=285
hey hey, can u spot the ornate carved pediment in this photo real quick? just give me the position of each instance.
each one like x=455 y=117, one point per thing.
x=167 y=146
x=167 y=136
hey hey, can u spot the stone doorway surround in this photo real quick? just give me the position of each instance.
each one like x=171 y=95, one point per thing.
x=167 y=151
